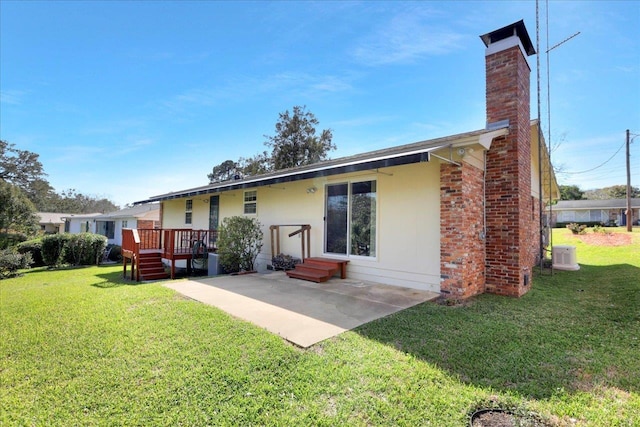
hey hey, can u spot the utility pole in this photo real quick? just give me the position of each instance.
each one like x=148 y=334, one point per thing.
x=629 y=211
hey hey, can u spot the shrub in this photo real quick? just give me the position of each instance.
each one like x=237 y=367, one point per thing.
x=84 y=249
x=599 y=229
x=587 y=223
x=11 y=261
x=115 y=253
x=239 y=243
x=53 y=247
x=33 y=247
x=8 y=240
x=284 y=262
x=577 y=228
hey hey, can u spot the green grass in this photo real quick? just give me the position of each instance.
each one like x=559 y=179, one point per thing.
x=81 y=347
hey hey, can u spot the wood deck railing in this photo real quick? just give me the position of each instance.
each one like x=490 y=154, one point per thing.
x=172 y=243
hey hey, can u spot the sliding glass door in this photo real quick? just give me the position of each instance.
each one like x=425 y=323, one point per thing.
x=350 y=220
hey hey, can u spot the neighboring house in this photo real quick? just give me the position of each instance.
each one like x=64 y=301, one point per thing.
x=458 y=215
x=111 y=224
x=51 y=223
x=603 y=211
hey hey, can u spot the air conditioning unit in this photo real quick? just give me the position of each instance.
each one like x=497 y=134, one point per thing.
x=564 y=258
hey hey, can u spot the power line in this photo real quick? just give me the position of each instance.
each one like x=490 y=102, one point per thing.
x=600 y=165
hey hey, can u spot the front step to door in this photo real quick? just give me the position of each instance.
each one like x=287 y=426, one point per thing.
x=318 y=269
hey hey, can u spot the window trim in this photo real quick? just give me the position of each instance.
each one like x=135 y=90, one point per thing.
x=250 y=202
x=188 y=212
x=349 y=254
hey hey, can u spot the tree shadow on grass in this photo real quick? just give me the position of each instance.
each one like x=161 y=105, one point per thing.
x=574 y=331
x=115 y=279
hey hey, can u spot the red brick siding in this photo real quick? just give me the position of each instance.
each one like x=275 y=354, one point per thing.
x=146 y=224
x=462 y=255
x=509 y=257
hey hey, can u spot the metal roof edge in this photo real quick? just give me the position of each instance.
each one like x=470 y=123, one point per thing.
x=340 y=165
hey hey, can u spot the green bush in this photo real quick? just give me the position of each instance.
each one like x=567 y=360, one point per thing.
x=53 y=248
x=9 y=240
x=33 y=247
x=577 y=228
x=11 y=261
x=585 y=223
x=239 y=243
x=73 y=249
x=115 y=253
x=84 y=249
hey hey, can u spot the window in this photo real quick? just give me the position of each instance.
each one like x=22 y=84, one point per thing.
x=250 y=202
x=106 y=228
x=188 y=214
x=125 y=224
x=350 y=227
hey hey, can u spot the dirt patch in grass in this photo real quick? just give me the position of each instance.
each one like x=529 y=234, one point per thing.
x=606 y=239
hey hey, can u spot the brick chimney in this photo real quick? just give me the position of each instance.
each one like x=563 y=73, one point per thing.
x=508 y=202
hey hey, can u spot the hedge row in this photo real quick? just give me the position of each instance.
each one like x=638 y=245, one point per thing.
x=587 y=223
x=65 y=248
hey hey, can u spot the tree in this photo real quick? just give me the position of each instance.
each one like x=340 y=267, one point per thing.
x=23 y=169
x=225 y=171
x=70 y=201
x=296 y=143
x=256 y=165
x=19 y=167
x=17 y=213
x=571 y=192
x=613 y=192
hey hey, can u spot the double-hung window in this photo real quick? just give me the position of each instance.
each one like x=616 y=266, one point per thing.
x=350 y=220
x=250 y=202
x=188 y=211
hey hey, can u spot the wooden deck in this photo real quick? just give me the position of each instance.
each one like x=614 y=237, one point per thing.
x=145 y=249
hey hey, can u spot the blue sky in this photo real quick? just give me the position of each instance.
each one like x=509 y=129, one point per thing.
x=127 y=100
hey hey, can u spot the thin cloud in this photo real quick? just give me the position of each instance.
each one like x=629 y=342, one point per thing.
x=308 y=85
x=407 y=38
x=11 y=97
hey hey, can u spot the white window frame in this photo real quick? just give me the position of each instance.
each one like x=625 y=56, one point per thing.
x=188 y=211
x=349 y=254
x=250 y=202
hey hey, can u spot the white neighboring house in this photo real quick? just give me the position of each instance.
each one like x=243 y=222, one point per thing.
x=604 y=211
x=111 y=224
x=51 y=222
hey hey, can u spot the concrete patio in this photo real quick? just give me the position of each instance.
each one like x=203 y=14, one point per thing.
x=301 y=312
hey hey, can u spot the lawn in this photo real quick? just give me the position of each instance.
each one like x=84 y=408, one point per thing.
x=82 y=347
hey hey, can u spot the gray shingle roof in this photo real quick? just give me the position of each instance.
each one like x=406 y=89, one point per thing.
x=595 y=204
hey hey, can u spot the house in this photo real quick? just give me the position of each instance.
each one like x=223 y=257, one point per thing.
x=50 y=222
x=111 y=224
x=459 y=215
x=608 y=212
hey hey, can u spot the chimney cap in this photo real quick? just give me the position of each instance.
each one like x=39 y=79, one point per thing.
x=515 y=29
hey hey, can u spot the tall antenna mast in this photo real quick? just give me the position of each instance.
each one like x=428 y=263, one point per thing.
x=540 y=143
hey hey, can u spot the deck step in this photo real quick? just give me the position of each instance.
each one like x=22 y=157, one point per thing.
x=318 y=269
x=151 y=267
x=317 y=276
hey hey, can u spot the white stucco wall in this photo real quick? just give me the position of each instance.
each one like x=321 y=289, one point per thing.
x=408 y=222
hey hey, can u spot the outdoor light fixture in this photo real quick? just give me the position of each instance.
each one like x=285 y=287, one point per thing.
x=311 y=190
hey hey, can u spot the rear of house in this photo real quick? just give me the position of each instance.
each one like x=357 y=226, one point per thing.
x=459 y=215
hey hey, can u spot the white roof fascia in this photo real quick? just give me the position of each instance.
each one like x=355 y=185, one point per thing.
x=487 y=138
